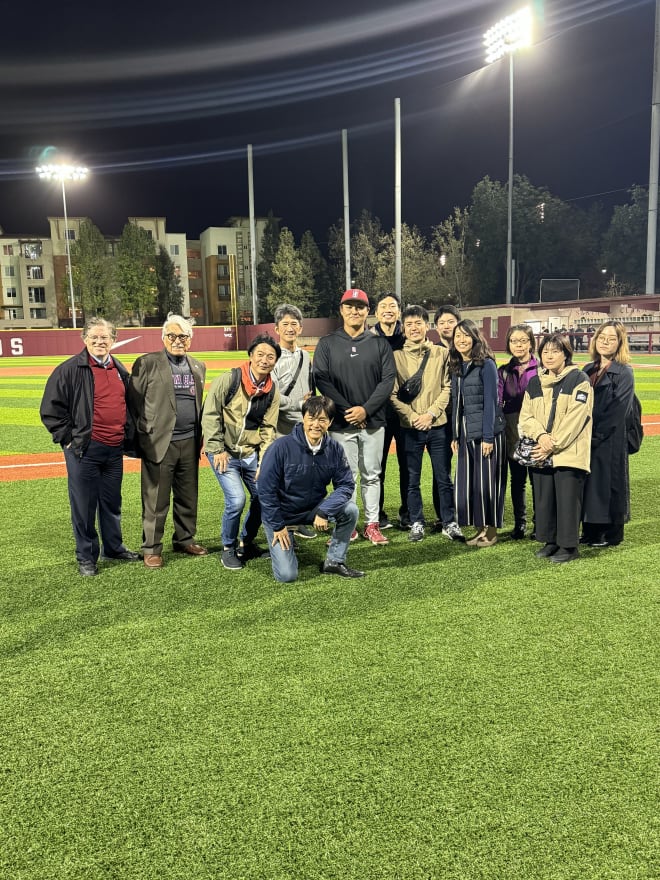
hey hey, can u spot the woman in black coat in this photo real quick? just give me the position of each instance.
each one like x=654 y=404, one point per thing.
x=607 y=490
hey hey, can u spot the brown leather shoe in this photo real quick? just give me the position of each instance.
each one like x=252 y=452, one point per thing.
x=152 y=561
x=191 y=549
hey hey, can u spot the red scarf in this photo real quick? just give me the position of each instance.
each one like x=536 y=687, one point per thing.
x=248 y=382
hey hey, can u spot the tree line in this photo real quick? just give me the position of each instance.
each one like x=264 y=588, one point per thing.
x=462 y=260
x=138 y=279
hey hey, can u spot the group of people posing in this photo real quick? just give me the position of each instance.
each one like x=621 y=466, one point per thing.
x=291 y=439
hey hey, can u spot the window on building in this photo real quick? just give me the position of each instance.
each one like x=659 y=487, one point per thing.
x=71 y=234
x=223 y=270
x=37 y=313
x=12 y=314
x=194 y=255
x=222 y=250
x=8 y=250
x=9 y=272
x=194 y=273
x=10 y=293
x=33 y=250
x=35 y=272
x=223 y=291
x=174 y=250
x=37 y=294
x=493 y=327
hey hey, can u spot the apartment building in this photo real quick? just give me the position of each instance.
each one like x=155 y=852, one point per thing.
x=27 y=281
x=214 y=272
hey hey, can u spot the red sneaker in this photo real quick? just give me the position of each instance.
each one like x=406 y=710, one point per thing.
x=373 y=533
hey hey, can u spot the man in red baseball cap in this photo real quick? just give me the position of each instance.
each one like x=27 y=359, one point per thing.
x=355 y=369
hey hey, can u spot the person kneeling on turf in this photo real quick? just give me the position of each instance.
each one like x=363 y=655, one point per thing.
x=293 y=480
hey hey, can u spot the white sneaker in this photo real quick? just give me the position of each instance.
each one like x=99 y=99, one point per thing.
x=416 y=531
x=452 y=530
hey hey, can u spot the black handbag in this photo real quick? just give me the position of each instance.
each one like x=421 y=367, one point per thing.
x=523 y=450
x=413 y=385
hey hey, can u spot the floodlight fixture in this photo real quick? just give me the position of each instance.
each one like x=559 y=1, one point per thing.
x=61 y=172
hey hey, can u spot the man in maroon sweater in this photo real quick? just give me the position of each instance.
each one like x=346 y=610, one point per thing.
x=84 y=408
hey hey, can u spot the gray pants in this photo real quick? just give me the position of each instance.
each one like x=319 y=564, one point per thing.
x=364 y=451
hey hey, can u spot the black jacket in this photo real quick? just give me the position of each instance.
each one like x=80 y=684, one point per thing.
x=607 y=490
x=67 y=407
x=355 y=371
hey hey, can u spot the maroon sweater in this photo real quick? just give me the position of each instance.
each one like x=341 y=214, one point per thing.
x=109 y=420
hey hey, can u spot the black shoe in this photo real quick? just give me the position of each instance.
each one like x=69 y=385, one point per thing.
x=124 y=556
x=403 y=524
x=384 y=522
x=584 y=540
x=87 y=569
x=546 y=550
x=565 y=554
x=532 y=536
x=230 y=560
x=251 y=551
x=518 y=533
x=341 y=569
x=599 y=541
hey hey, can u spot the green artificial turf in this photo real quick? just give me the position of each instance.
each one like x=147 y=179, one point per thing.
x=458 y=713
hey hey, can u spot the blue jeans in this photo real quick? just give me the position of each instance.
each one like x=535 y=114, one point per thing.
x=241 y=472
x=285 y=562
x=436 y=441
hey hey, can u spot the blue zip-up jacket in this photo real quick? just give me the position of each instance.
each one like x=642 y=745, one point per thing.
x=293 y=480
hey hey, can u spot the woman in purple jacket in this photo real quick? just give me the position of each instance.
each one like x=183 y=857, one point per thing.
x=513 y=378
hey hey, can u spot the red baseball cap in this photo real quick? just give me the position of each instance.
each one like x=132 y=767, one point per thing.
x=355 y=295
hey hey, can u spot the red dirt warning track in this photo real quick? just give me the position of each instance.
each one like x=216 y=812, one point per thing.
x=40 y=465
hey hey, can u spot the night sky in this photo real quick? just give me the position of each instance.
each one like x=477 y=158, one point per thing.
x=160 y=101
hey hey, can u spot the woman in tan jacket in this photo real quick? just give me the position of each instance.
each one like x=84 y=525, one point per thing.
x=556 y=412
x=423 y=419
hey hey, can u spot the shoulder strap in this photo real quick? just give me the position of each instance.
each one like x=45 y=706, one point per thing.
x=234 y=385
x=567 y=384
x=295 y=376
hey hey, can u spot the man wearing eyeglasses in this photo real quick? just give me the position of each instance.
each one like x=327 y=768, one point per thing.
x=165 y=399
x=293 y=484
x=84 y=408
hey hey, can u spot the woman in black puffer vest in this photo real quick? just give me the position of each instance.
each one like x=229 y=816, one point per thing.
x=478 y=432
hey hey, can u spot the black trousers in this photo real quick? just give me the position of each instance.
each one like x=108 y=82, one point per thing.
x=558 y=504
x=518 y=476
x=446 y=467
x=393 y=432
x=94 y=482
x=177 y=474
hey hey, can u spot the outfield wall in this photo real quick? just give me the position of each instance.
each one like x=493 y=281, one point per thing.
x=136 y=340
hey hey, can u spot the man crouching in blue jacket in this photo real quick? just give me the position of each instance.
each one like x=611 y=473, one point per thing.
x=293 y=480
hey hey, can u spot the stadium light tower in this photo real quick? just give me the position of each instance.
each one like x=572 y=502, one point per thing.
x=505 y=38
x=62 y=173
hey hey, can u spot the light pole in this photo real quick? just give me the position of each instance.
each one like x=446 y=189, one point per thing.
x=63 y=173
x=505 y=38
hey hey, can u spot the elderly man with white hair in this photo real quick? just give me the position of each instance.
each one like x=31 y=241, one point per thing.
x=165 y=399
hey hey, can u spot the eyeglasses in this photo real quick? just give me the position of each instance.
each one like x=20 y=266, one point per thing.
x=177 y=337
x=523 y=340
x=607 y=339
x=319 y=420
x=103 y=339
